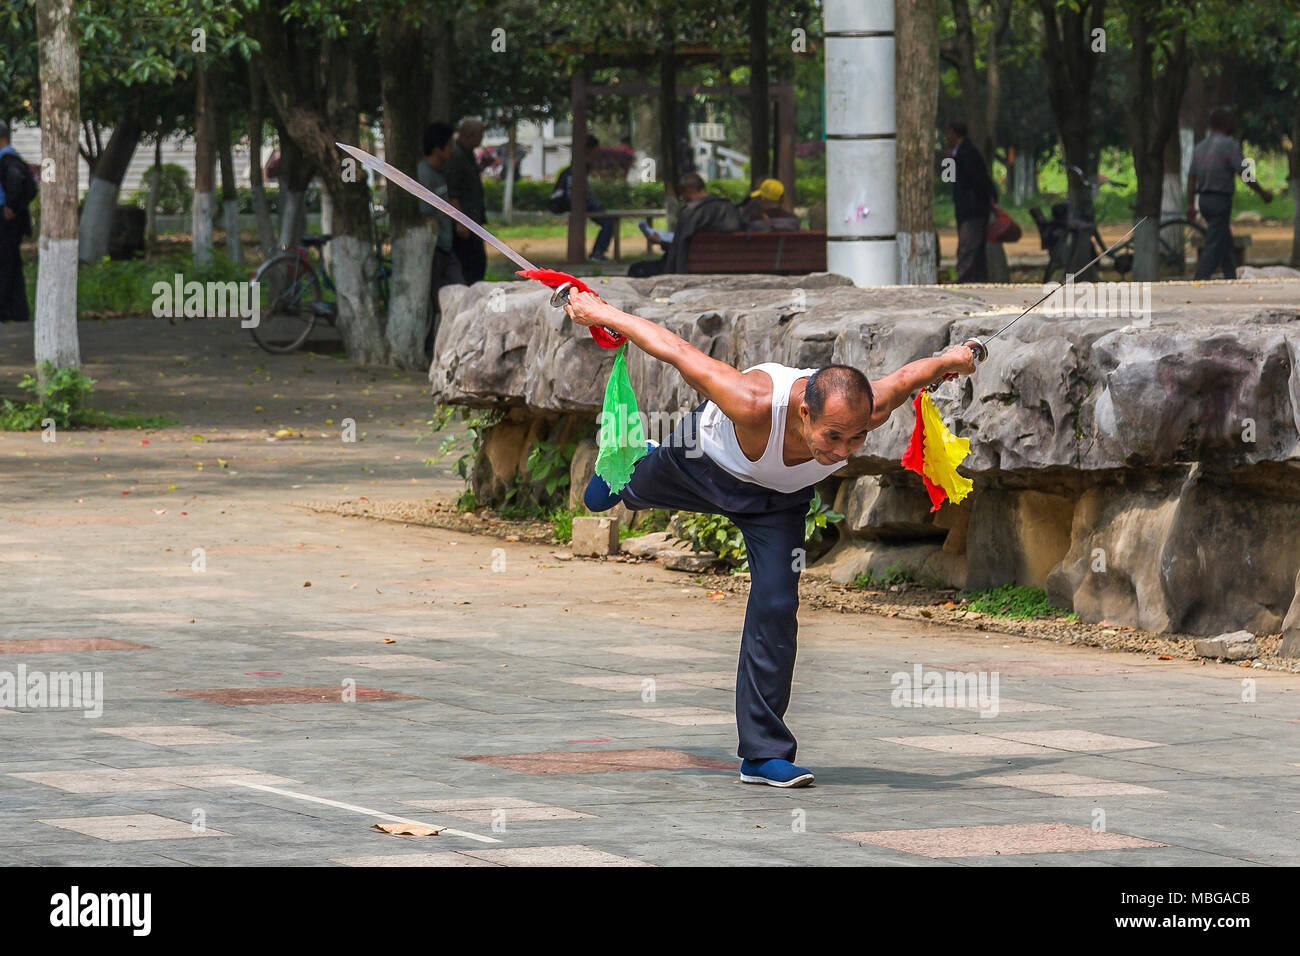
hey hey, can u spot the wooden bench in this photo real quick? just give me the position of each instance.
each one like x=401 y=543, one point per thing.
x=618 y=215
x=786 y=253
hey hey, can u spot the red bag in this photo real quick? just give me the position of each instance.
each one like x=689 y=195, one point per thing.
x=1003 y=228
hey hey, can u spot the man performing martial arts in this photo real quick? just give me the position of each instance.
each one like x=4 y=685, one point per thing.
x=752 y=452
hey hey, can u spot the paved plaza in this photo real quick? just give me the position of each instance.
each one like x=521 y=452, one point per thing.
x=275 y=681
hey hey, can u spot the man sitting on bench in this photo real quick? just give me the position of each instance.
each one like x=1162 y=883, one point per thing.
x=763 y=210
x=703 y=212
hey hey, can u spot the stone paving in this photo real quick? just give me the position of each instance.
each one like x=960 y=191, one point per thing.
x=269 y=698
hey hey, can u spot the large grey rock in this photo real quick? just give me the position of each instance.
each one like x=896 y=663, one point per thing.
x=1190 y=553
x=1016 y=536
x=1165 y=444
x=875 y=507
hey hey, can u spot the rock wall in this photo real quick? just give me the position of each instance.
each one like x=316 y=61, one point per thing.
x=1145 y=471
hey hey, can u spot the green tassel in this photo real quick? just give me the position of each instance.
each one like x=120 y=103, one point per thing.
x=621 y=440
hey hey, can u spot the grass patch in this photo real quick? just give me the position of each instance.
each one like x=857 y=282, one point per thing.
x=894 y=576
x=1016 y=603
x=562 y=521
x=60 y=402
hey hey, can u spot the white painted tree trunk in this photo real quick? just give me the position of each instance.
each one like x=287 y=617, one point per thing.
x=293 y=216
x=201 y=213
x=230 y=220
x=96 y=220
x=509 y=199
x=326 y=225
x=56 y=281
x=410 y=306
x=355 y=273
x=56 y=304
x=1146 y=253
x=151 y=214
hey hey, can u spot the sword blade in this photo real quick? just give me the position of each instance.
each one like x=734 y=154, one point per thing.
x=1113 y=246
x=399 y=178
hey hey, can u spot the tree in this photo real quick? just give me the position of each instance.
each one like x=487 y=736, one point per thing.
x=916 y=86
x=405 y=77
x=310 y=54
x=56 y=281
x=1158 y=30
x=1074 y=36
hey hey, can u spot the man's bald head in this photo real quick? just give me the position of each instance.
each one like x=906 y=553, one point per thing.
x=841 y=385
x=470 y=132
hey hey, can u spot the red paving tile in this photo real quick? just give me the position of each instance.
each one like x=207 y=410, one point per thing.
x=51 y=645
x=323 y=694
x=947 y=842
x=602 y=761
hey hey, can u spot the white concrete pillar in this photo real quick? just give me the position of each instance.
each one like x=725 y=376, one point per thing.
x=861 y=141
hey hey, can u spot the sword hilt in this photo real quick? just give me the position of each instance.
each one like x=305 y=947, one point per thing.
x=560 y=298
x=981 y=353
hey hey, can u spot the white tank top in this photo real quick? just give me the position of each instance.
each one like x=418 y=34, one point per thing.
x=717 y=437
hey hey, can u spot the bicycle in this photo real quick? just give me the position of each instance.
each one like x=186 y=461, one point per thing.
x=1061 y=235
x=292 y=290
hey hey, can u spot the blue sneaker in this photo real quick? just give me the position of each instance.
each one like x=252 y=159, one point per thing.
x=775 y=773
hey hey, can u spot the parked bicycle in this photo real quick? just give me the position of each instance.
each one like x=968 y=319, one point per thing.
x=296 y=291
x=1062 y=234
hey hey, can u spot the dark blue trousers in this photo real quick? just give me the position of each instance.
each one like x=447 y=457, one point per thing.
x=677 y=475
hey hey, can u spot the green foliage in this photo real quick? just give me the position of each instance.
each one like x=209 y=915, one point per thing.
x=174 y=193
x=715 y=533
x=820 y=516
x=656 y=521
x=477 y=422
x=126 y=286
x=718 y=533
x=548 y=467
x=1016 y=602
x=562 y=521
x=889 y=577
x=60 y=397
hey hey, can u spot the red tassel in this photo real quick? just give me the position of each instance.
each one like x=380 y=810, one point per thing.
x=914 y=458
x=554 y=279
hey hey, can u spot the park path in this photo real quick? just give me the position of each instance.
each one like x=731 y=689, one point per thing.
x=277 y=680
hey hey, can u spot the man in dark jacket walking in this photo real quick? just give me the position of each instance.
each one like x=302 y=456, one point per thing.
x=973 y=195
x=15 y=223
x=1216 y=164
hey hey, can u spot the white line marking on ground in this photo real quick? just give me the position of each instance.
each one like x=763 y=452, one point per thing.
x=356 y=809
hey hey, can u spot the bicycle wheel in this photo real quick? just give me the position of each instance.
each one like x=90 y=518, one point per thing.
x=1175 y=240
x=290 y=294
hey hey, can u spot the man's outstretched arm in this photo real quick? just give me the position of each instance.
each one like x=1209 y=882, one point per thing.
x=897 y=389
x=739 y=395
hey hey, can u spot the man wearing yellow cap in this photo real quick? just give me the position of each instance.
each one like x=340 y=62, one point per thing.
x=764 y=210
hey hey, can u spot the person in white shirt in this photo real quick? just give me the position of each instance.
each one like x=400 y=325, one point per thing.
x=752 y=451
